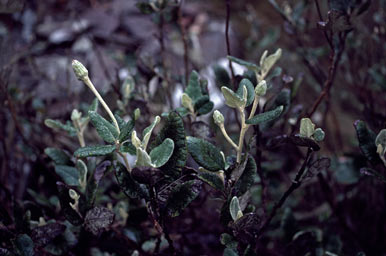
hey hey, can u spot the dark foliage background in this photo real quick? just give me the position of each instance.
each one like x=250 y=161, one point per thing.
x=333 y=69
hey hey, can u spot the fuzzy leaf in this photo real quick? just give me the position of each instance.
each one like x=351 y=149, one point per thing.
x=174 y=129
x=94 y=105
x=126 y=130
x=57 y=155
x=304 y=142
x=250 y=91
x=128 y=147
x=244 y=63
x=211 y=178
x=129 y=186
x=307 y=128
x=228 y=241
x=181 y=196
x=232 y=99
x=222 y=76
x=266 y=116
x=43 y=235
x=97 y=219
x=55 y=124
x=366 y=138
x=70 y=175
x=230 y=252
x=24 y=245
x=148 y=130
x=194 y=89
x=203 y=105
x=205 y=154
x=269 y=61
x=105 y=129
x=99 y=150
x=234 y=209
x=143 y=158
x=70 y=214
x=247 y=179
x=162 y=153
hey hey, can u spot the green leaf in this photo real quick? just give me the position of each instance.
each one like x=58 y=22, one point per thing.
x=307 y=128
x=269 y=61
x=247 y=179
x=82 y=169
x=94 y=105
x=244 y=63
x=57 y=155
x=143 y=158
x=99 y=150
x=128 y=147
x=228 y=241
x=129 y=186
x=318 y=134
x=232 y=99
x=144 y=8
x=181 y=196
x=24 y=245
x=148 y=130
x=250 y=91
x=92 y=186
x=55 y=124
x=70 y=175
x=211 y=178
x=230 y=252
x=181 y=111
x=174 y=129
x=266 y=116
x=203 y=105
x=205 y=154
x=380 y=142
x=366 y=138
x=302 y=141
x=222 y=76
x=98 y=219
x=194 y=89
x=70 y=214
x=126 y=131
x=234 y=209
x=43 y=235
x=162 y=153
x=105 y=129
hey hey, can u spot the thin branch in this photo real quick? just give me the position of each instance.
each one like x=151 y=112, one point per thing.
x=228 y=7
x=321 y=19
x=295 y=185
x=185 y=43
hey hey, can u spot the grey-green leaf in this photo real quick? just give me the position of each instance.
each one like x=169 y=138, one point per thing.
x=99 y=150
x=234 y=209
x=205 y=154
x=211 y=178
x=129 y=186
x=181 y=196
x=24 y=245
x=162 y=153
x=55 y=124
x=97 y=219
x=126 y=131
x=203 y=105
x=222 y=76
x=232 y=99
x=307 y=128
x=57 y=155
x=366 y=138
x=69 y=174
x=247 y=178
x=244 y=63
x=105 y=129
x=266 y=116
x=194 y=89
x=250 y=91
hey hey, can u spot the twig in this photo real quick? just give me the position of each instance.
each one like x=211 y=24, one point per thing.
x=185 y=43
x=295 y=185
x=228 y=7
x=336 y=56
x=321 y=19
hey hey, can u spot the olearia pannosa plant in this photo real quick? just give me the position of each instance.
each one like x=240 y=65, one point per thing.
x=159 y=175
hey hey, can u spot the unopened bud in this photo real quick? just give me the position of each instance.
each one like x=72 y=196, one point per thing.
x=75 y=115
x=80 y=70
x=218 y=117
x=261 y=88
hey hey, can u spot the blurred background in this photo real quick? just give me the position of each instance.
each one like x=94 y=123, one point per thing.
x=121 y=41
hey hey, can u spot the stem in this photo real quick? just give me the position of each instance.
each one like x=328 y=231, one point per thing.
x=88 y=82
x=227 y=41
x=224 y=132
x=125 y=160
x=254 y=106
x=244 y=128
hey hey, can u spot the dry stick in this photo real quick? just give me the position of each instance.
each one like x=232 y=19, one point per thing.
x=228 y=7
x=295 y=185
x=336 y=56
x=185 y=43
x=321 y=19
x=163 y=57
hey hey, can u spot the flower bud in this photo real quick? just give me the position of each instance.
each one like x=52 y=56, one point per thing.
x=137 y=113
x=261 y=88
x=80 y=71
x=218 y=117
x=75 y=115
